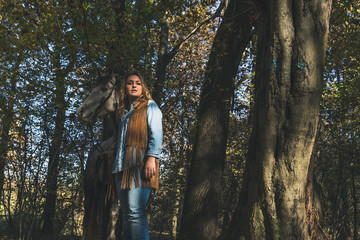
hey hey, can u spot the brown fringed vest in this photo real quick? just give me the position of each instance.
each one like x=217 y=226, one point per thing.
x=136 y=146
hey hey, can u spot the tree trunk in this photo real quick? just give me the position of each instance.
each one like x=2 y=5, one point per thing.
x=163 y=61
x=355 y=202
x=20 y=202
x=47 y=229
x=288 y=85
x=201 y=202
x=312 y=202
x=7 y=121
x=115 y=57
x=175 y=207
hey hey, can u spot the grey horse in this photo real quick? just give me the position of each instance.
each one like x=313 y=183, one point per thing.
x=101 y=218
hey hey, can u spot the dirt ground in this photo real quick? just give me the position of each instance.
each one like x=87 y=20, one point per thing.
x=157 y=236
x=153 y=236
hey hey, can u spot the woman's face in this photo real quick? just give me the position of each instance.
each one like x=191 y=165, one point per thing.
x=133 y=87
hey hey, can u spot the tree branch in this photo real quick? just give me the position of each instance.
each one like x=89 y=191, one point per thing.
x=217 y=13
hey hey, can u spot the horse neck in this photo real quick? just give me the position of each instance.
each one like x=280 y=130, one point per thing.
x=109 y=125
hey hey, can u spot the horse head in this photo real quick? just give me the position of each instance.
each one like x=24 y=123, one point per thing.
x=101 y=100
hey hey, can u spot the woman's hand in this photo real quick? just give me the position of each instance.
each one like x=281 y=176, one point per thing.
x=150 y=168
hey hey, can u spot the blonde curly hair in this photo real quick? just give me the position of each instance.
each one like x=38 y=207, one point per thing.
x=123 y=100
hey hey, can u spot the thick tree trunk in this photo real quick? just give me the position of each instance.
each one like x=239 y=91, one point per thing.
x=200 y=212
x=288 y=84
x=47 y=230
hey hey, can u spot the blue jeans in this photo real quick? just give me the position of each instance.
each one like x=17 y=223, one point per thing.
x=133 y=203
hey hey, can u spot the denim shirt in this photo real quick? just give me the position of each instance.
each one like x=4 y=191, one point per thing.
x=154 y=122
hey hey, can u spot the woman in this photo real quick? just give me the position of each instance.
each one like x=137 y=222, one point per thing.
x=138 y=146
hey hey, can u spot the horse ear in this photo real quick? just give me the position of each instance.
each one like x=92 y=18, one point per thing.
x=113 y=78
x=99 y=76
x=102 y=77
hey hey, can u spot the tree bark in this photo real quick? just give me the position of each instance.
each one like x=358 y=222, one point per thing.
x=47 y=229
x=288 y=85
x=201 y=202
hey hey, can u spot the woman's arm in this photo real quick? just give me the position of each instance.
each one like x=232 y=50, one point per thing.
x=154 y=120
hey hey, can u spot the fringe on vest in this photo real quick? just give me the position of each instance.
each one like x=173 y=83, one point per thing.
x=136 y=146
